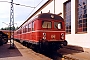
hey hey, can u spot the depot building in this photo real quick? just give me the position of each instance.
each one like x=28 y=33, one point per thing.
x=76 y=19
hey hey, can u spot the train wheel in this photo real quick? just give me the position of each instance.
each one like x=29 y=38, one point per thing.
x=65 y=43
x=28 y=45
x=1 y=43
x=32 y=47
x=23 y=43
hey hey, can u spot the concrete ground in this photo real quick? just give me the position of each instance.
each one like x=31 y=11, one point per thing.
x=23 y=53
x=75 y=53
x=19 y=53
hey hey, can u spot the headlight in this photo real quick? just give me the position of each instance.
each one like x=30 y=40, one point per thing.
x=62 y=36
x=44 y=36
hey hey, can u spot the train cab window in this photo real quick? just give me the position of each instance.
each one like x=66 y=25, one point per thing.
x=46 y=24
x=58 y=25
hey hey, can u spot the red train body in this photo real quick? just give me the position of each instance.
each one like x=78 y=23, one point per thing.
x=45 y=31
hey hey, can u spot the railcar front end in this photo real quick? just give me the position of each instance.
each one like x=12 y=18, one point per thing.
x=52 y=35
x=50 y=32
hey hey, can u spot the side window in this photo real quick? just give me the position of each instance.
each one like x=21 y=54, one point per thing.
x=26 y=28
x=58 y=25
x=46 y=24
x=20 y=32
x=23 y=29
x=32 y=26
x=29 y=27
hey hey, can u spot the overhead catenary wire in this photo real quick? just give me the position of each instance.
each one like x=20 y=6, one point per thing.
x=18 y=4
x=25 y=5
x=35 y=7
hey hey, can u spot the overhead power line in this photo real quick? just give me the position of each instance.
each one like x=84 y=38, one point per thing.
x=35 y=7
x=19 y=4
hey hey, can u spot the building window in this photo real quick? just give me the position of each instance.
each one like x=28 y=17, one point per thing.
x=67 y=16
x=81 y=20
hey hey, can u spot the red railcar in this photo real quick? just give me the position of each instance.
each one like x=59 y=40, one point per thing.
x=45 y=31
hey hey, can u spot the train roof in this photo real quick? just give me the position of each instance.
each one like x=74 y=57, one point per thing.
x=50 y=16
x=45 y=16
x=44 y=5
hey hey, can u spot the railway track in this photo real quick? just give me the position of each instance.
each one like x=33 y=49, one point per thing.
x=67 y=53
x=71 y=54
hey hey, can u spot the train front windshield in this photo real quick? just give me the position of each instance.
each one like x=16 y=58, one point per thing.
x=48 y=24
x=57 y=25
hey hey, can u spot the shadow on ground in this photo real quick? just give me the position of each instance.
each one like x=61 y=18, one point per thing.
x=5 y=52
x=70 y=49
x=57 y=55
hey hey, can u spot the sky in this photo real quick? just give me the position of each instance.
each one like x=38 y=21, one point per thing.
x=21 y=13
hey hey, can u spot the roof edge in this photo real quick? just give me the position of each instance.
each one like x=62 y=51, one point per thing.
x=44 y=5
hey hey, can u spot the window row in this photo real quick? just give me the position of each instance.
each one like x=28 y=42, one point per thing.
x=81 y=15
x=28 y=27
x=45 y=25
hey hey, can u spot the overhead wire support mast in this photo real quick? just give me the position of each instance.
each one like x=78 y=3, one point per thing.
x=12 y=26
x=12 y=22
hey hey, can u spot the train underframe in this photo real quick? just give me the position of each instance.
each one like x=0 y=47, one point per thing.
x=44 y=45
x=51 y=45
